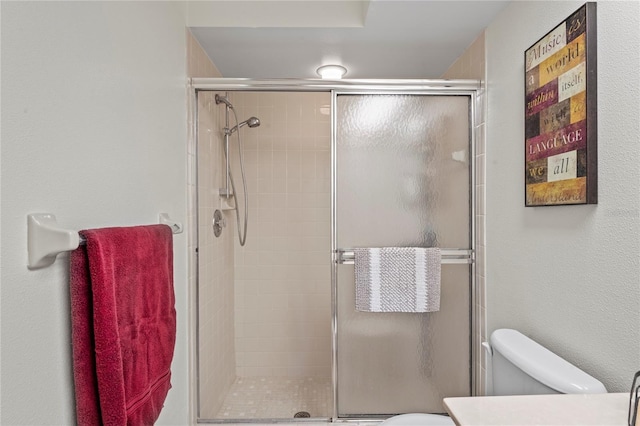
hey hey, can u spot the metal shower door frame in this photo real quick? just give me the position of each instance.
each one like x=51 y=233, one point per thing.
x=335 y=87
x=450 y=89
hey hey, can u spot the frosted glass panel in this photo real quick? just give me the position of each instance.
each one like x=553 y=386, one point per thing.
x=402 y=179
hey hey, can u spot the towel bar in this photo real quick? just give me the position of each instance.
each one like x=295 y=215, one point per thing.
x=45 y=240
x=346 y=256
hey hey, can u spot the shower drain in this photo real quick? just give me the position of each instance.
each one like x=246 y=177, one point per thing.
x=301 y=414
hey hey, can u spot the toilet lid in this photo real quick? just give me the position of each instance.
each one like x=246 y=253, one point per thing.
x=418 y=420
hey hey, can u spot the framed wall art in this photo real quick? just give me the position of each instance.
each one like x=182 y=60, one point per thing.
x=561 y=114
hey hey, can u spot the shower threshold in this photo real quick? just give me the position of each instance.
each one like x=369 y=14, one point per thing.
x=312 y=421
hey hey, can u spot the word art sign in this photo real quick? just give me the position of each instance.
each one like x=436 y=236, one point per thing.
x=561 y=115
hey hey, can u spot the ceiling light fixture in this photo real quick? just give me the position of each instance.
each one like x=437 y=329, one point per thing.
x=331 y=72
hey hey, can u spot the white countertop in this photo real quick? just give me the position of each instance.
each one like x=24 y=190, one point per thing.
x=608 y=409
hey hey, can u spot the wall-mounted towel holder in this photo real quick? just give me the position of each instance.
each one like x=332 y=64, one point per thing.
x=45 y=239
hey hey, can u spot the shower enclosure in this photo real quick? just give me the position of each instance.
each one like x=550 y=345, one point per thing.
x=332 y=167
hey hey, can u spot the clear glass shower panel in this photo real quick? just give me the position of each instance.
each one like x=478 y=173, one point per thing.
x=403 y=180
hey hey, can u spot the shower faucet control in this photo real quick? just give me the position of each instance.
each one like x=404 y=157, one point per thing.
x=219 y=222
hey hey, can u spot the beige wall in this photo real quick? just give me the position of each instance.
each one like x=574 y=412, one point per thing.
x=198 y=63
x=283 y=281
x=471 y=65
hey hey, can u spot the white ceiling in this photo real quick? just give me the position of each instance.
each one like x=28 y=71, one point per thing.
x=372 y=39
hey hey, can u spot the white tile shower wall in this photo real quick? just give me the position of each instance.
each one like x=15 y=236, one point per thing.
x=471 y=65
x=216 y=294
x=283 y=281
x=215 y=275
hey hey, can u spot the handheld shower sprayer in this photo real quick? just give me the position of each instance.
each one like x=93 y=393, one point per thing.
x=251 y=122
x=230 y=189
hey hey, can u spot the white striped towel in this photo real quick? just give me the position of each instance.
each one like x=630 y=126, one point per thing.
x=397 y=279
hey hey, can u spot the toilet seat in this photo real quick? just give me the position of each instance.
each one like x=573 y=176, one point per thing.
x=417 y=419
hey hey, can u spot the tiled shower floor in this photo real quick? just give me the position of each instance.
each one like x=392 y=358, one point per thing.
x=277 y=398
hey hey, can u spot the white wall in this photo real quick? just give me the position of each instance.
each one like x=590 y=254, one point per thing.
x=567 y=276
x=93 y=130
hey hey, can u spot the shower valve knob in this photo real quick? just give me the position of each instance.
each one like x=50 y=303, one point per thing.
x=219 y=222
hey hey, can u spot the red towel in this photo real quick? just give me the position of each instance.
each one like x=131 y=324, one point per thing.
x=123 y=324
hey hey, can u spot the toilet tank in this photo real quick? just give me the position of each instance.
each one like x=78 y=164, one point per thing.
x=521 y=366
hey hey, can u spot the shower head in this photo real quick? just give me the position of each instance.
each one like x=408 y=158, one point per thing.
x=223 y=100
x=251 y=122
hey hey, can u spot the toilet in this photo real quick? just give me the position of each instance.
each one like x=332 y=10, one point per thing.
x=418 y=419
x=518 y=366
x=521 y=366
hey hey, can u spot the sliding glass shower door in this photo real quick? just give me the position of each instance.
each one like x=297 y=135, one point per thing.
x=402 y=178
